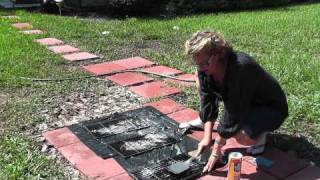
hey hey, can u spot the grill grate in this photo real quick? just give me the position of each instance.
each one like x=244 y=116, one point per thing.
x=123 y=145
x=159 y=170
x=143 y=143
x=114 y=127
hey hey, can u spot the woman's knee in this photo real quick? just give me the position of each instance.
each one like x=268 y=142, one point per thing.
x=243 y=138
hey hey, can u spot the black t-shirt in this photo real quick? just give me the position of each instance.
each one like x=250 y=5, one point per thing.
x=246 y=85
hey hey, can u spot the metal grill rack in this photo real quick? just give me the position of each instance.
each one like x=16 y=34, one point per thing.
x=140 y=124
x=118 y=126
x=159 y=170
x=141 y=144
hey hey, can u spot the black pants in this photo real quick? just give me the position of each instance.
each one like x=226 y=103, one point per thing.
x=262 y=119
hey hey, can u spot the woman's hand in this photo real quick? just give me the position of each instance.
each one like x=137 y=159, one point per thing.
x=214 y=157
x=215 y=154
x=206 y=141
x=203 y=144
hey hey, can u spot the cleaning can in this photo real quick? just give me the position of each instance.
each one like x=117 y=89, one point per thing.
x=234 y=166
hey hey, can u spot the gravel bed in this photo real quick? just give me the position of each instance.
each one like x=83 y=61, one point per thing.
x=101 y=99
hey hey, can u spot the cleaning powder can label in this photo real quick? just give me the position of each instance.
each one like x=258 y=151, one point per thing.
x=234 y=166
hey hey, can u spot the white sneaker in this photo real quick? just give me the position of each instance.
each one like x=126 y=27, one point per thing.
x=197 y=123
x=259 y=147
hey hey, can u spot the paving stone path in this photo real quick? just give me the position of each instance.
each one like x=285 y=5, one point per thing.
x=285 y=166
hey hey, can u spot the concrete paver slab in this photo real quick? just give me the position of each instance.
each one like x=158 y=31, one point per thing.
x=22 y=26
x=36 y=31
x=163 y=70
x=129 y=78
x=61 y=137
x=154 y=89
x=166 y=106
x=61 y=49
x=103 y=68
x=49 y=41
x=79 y=56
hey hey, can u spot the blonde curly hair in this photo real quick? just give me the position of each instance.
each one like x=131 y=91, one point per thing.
x=206 y=42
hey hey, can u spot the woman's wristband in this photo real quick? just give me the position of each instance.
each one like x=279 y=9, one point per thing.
x=215 y=155
x=217 y=142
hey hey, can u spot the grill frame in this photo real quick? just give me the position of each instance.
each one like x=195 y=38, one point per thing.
x=160 y=123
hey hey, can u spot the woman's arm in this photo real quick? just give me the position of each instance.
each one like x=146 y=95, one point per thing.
x=215 y=153
x=207 y=137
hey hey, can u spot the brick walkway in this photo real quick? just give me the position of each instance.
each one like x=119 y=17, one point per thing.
x=285 y=166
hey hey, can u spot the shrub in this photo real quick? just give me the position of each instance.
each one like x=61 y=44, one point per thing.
x=137 y=7
x=171 y=7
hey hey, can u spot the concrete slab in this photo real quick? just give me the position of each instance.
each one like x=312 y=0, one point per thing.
x=22 y=26
x=183 y=83
x=97 y=168
x=103 y=68
x=166 y=106
x=62 y=49
x=163 y=70
x=129 y=78
x=184 y=115
x=311 y=172
x=134 y=62
x=124 y=176
x=284 y=163
x=36 y=31
x=79 y=56
x=153 y=90
x=248 y=172
x=61 y=137
x=49 y=41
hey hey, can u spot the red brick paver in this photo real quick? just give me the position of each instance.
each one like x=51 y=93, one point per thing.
x=129 y=78
x=61 y=137
x=154 y=89
x=232 y=144
x=284 y=164
x=311 y=172
x=248 y=172
x=124 y=176
x=163 y=70
x=91 y=165
x=198 y=135
x=63 y=49
x=22 y=26
x=122 y=64
x=77 y=153
x=49 y=41
x=184 y=77
x=211 y=177
x=80 y=56
x=103 y=68
x=184 y=115
x=134 y=62
x=166 y=106
x=98 y=168
x=36 y=31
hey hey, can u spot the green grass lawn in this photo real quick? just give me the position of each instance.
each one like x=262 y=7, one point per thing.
x=284 y=41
